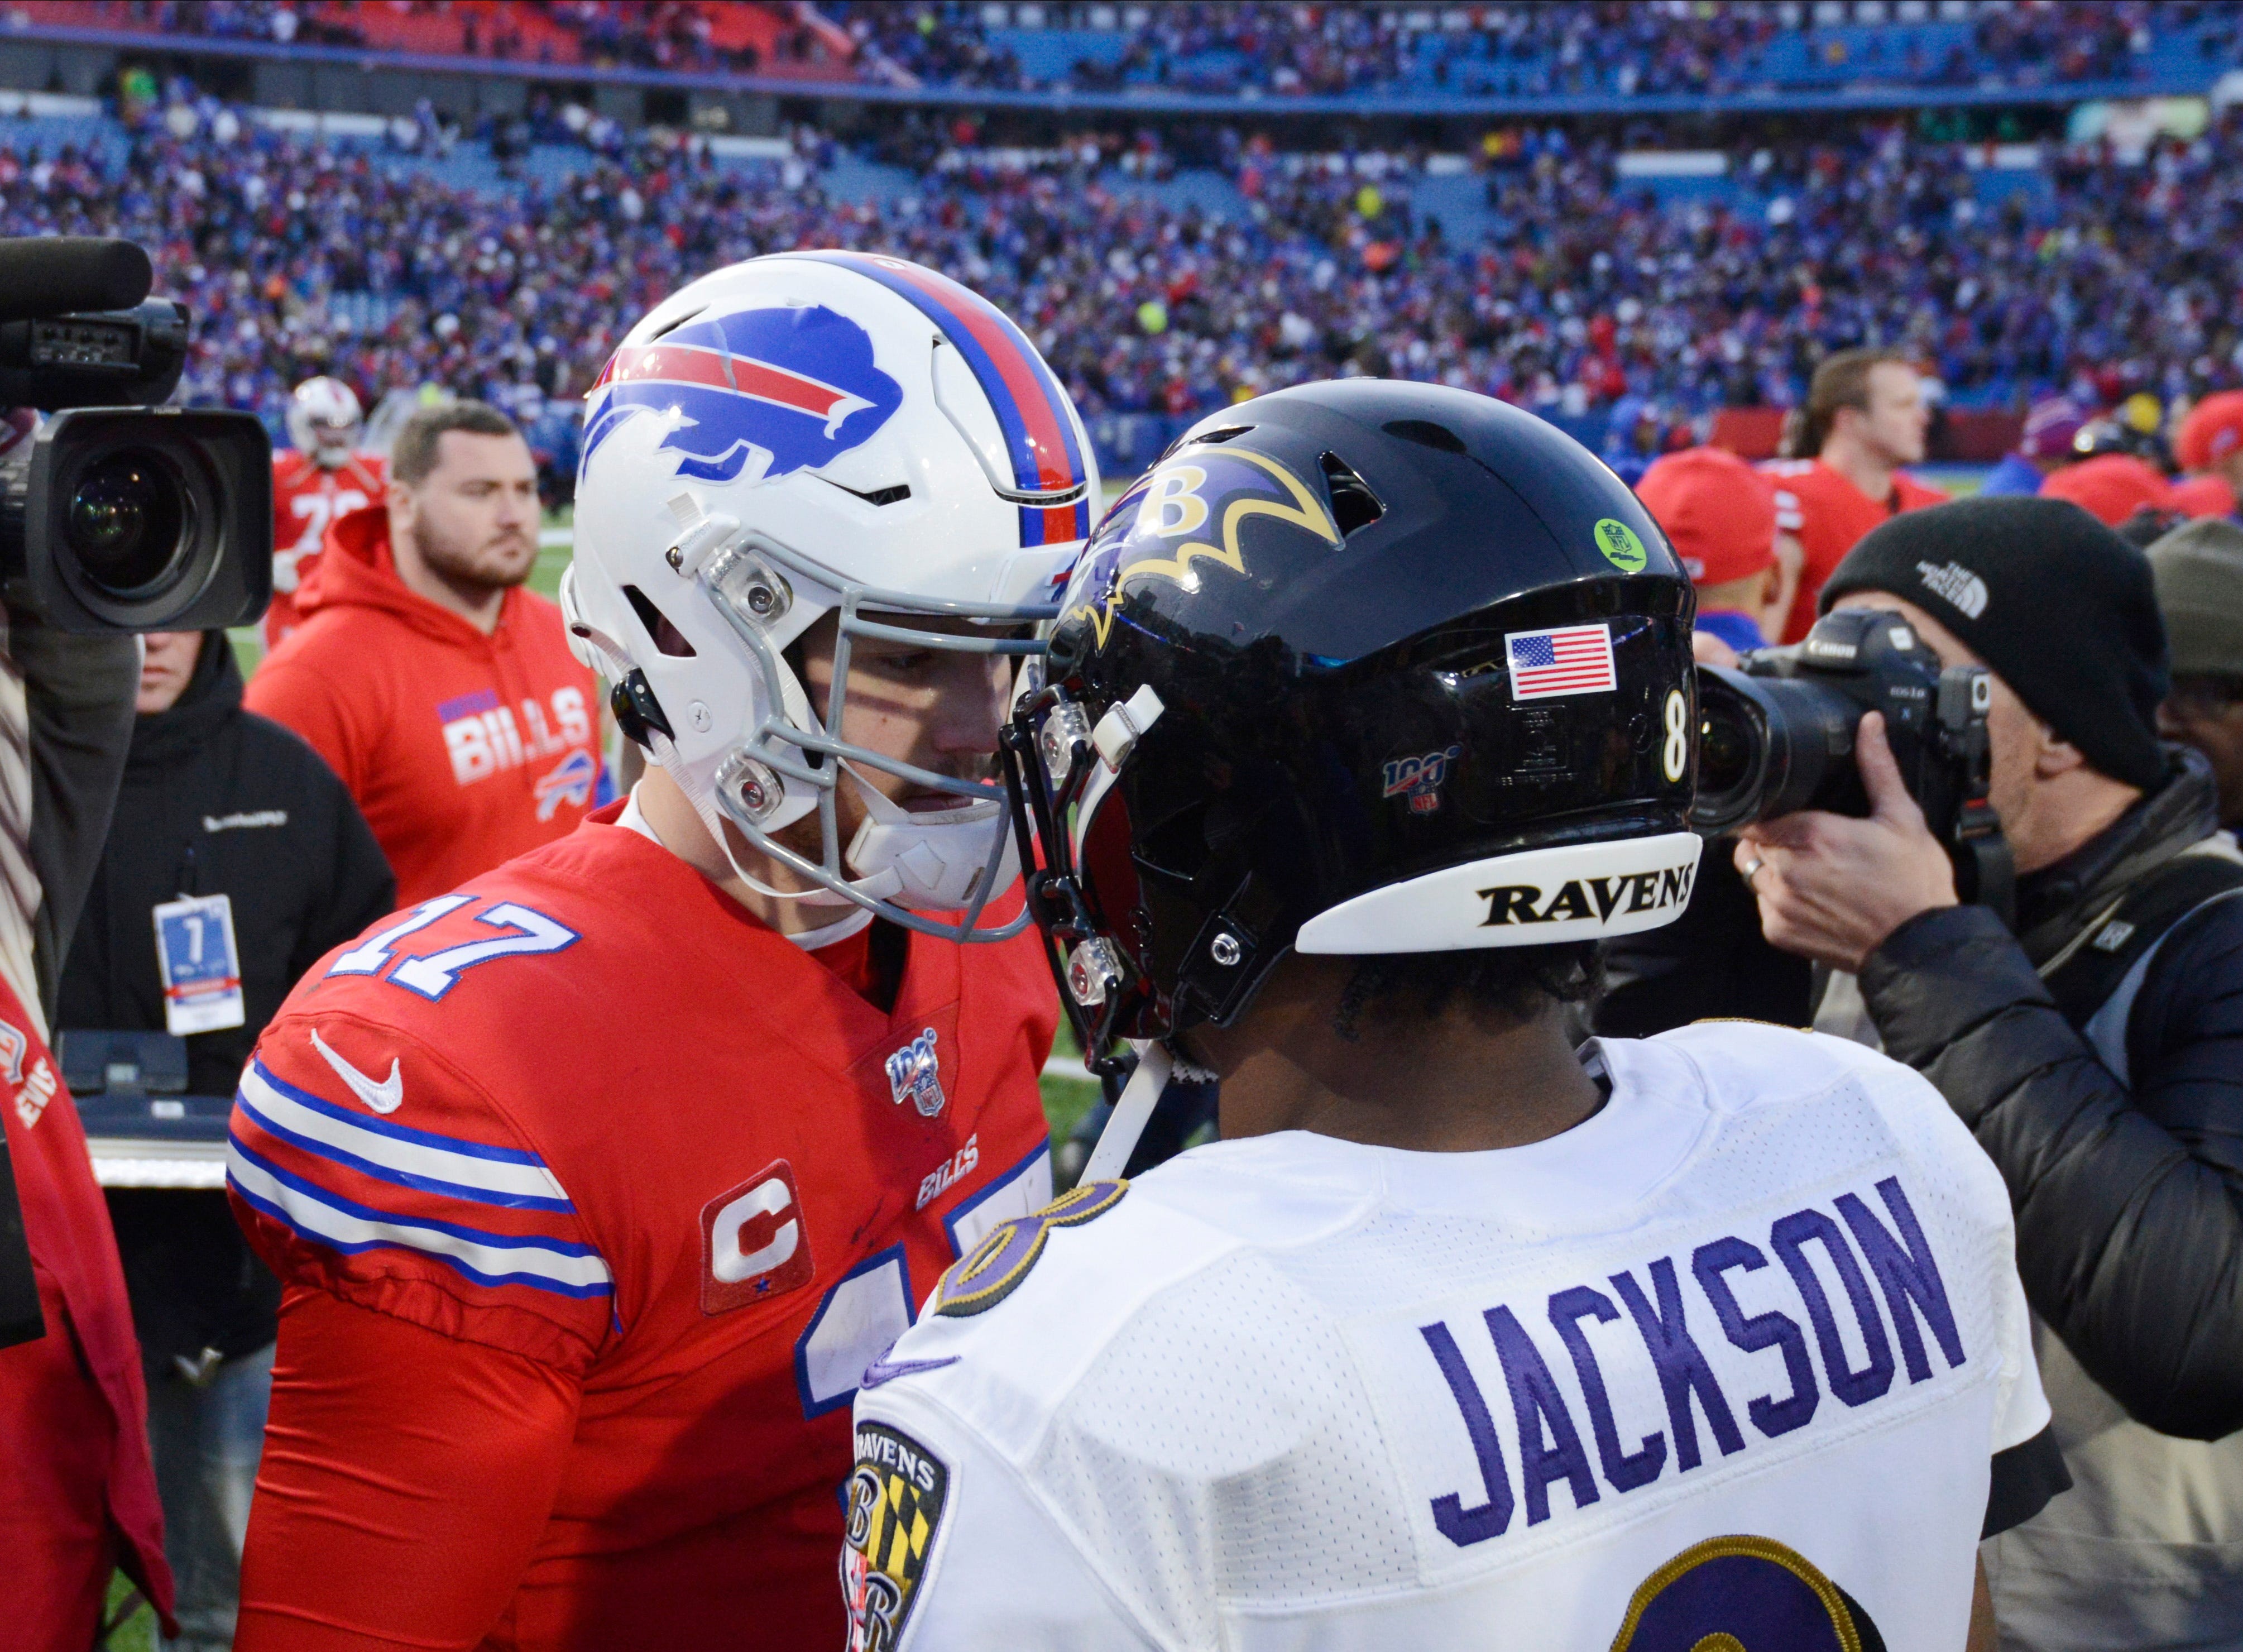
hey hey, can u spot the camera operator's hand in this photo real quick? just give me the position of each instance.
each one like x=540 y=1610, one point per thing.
x=1831 y=887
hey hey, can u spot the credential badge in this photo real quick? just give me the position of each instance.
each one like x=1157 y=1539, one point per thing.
x=915 y=1076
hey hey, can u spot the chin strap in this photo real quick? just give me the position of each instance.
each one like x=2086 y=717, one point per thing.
x=1156 y=1065
x=937 y=857
x=930 y=861
x=882 y=887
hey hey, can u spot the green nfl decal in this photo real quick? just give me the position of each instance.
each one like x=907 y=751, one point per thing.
x=1620 y=546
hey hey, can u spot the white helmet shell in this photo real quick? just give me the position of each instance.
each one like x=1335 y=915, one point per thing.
x=325 y=420
x=787 y=436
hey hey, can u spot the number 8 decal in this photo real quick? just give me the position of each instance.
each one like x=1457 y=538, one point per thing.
x=1675 y=756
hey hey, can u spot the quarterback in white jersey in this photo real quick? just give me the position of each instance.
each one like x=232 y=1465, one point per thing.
x=1459 y=1337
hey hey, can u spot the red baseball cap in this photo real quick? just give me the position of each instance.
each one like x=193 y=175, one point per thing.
x=2110 y=488
x=2195 y=496
x=2212 y=430
x=1718 y=511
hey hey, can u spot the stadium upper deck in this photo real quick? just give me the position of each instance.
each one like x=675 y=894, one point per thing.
x=403 y=254
x=1377 y=59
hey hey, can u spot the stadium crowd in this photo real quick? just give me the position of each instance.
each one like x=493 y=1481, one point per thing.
x=1583 y=292
x=1569 y=47
x=1536 y=51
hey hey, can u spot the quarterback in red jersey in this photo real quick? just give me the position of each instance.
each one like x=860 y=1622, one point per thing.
x=321 y=480
x=601 y=1185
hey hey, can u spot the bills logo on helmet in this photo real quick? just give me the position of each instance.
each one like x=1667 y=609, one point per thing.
x=1187 y=514
x=568 y=781
x=760 y=393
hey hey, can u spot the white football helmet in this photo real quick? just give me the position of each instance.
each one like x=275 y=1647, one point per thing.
x=324 y=422
x=805 y=432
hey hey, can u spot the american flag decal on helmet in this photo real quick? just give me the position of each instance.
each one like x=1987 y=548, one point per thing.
x=1571 y=659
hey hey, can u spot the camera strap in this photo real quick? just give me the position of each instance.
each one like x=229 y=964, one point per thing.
x=2095 y=978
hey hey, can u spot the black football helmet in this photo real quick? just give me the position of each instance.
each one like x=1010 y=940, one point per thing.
x=1357 y=667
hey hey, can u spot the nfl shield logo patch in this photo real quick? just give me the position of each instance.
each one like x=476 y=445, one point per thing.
x=915 y=1076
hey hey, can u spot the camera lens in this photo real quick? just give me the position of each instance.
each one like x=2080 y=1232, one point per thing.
x=127 y=521
x=1725 y=750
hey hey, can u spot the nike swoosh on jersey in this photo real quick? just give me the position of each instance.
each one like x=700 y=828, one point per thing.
x=881 y=1371
x=385 y=1097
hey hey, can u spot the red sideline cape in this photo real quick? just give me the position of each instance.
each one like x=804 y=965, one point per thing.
x=73 y=1406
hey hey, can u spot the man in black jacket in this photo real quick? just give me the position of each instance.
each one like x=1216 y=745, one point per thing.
x=2095 y=1048
x=215 y=801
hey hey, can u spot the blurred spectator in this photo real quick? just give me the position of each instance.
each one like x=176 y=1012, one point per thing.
x=322 y=478
x=2200 y=497
x=2111 y=488
x=441 y=691
x=2050 y=424
x=2200 y=578
x=2089 y=1042
x=1718 y=514
x=2209 y=447
x=215 y=802
x=1574 y=292
x=1864 y=418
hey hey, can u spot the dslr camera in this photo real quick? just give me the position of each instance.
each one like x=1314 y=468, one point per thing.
x=124 y=515
x=1777 y=735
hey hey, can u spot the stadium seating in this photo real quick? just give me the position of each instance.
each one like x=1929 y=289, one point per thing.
x=1547 y=275
x=1564 y=50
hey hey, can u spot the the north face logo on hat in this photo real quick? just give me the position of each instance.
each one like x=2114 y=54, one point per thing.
x=1957 y=584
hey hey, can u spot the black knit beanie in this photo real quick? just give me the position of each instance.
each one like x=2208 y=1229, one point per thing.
x=2062 y=608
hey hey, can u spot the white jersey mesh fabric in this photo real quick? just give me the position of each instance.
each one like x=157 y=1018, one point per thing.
x=1247 y=1432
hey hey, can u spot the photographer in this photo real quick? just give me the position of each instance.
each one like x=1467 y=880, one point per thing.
x=117 y=516
x=80 y=1494
x=2095 y=1046
x=217 y=804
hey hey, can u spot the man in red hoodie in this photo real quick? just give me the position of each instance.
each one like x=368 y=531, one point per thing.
x=442 y=692
x=1865 y=418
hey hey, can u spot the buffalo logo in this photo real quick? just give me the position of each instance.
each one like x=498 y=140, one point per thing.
x=568 y=781
x=1420 y=779
x=763 y=392
x=1594 y=900
x=893 y=1506
x=1187 y=512
x=915 y=1076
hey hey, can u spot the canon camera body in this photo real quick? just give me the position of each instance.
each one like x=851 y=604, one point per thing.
x=1777 y=735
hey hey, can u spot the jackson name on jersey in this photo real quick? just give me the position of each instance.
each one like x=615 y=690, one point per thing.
x=1731 y=1362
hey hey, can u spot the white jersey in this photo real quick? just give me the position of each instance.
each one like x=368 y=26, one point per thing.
x=1728 y=1363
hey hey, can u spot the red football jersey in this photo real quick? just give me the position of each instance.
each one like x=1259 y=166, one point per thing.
x=588 y=1111
x=306 y=496
x=1829 y=513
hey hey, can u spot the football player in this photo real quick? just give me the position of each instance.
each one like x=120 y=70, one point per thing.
x=1369 y=714
x=322 y=478
x=596 y=1184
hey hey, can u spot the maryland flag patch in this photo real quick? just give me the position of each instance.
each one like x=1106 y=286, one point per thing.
x=896 y=1497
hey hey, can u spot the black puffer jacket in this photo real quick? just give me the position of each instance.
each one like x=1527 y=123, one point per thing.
x=216 y=800
x=2129 y=1195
